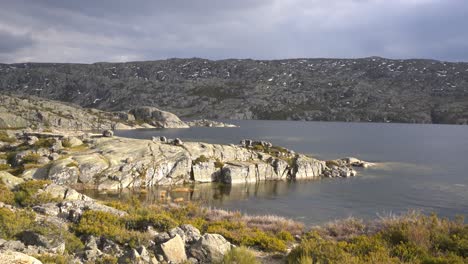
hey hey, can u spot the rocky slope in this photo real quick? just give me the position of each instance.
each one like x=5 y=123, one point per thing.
x=370 y=89
x=37 y=113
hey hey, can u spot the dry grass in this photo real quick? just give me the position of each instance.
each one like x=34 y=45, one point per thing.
x=267 y=223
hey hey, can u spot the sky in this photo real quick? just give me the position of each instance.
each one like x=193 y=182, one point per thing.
x=87 y=31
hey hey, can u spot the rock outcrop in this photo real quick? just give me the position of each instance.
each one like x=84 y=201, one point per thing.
x=110 y=163
x=157 y=117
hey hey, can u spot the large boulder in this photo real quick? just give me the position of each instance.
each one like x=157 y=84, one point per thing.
x=13 y=257
x=307 y=168
x=53 y=243
x=71 y=142
x=174 y=250
x=210 y=248
x=205 y=172
x=9 y=180
x=157 y=118
x=239 y=172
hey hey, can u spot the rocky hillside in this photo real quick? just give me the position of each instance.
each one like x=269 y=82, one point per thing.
x=370 y=89
x=37 y=113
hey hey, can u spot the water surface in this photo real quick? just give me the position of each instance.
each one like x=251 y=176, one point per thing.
x=421 y=167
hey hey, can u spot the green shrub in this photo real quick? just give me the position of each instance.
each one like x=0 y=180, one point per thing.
x=12 y=223
x=44 y=143
x=240 y=255
x=6 y=196
x=6 y=138
x=98 y=223
x=31 y=158
x=331 y=163
x=285 y=236
x=4 y=167
x=200 y=159
x=72 y=243
x=141 y=219
x=238 y=233
x=106 y=259
x=218 y=164
x=409 y=239
x=27 y=193
x=54 y=259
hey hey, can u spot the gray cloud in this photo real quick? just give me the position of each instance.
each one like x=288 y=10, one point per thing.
x=11 y=43
x=120 y=30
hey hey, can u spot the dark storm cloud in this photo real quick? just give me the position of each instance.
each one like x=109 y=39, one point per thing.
x=121 y=30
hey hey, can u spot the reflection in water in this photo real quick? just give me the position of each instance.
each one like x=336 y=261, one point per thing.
x=212 y=194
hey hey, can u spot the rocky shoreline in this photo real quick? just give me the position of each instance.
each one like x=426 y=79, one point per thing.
x=112 y=163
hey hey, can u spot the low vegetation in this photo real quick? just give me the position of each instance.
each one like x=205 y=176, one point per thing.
x=269 y=233
x=412 y=238
x=6 y=196
x=240 y=255
x=29 y=193
x=4 y=137
x=200 y=159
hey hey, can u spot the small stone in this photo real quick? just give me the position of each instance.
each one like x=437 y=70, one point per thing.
x=108 y=133
x=177 y=142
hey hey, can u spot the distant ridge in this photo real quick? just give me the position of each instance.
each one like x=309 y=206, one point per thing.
x=370 y=89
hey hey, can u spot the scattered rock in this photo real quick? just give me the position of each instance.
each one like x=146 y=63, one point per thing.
x=108 y=133
x=210 y=248
x=9 y=180
x=174 y=250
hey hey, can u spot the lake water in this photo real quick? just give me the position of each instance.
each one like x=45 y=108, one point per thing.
x=421 y=167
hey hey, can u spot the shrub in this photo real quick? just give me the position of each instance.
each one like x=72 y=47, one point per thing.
x=6 y=196
x=240 y=255
x=142 y=219
x=412 y=238
x=6 y=138
x=54 y=259
x=13 y=222
x=44 y=143
x=218 y=164
x=4 y=167
x=285 y=236
x=72 y=243
x=27 y=193
x=331 y=163
x=238 y=233
x=106 y=259
x=200 y=159
x=31 y=158
x=98 y=223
